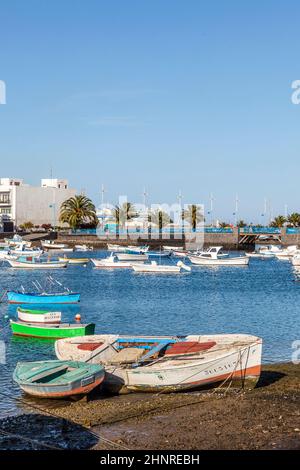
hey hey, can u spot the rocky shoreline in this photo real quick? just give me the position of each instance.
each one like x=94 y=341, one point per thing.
x=267 y=417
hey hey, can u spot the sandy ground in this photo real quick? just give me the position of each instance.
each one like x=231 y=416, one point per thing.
x=267 y=417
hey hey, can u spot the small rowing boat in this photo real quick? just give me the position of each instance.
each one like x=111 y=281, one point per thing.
x=42 y=298
x=160 y=268
x=52 y=245
x=38 y=316
x=53 y=331
x=57 y=379
x=132 y=257
x=167 y=363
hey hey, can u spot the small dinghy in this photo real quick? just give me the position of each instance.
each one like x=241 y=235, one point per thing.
x=132 y=256
x=110 y=262
x=83 y=248
x=38 y=316
x=51 y=331
x=167 y=363
x=161 y=268
x=57 y=379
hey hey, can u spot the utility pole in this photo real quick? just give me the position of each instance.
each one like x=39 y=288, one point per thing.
x=210 y=212
x=236 y=209
x=145 y=223
x=103 y=190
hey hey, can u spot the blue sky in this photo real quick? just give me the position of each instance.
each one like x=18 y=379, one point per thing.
x=192 y=95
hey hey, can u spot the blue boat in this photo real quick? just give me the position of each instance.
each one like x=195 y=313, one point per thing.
x=42 y=298
x=159 y=254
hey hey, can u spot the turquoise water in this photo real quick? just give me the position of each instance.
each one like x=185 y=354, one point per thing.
x=262 y=299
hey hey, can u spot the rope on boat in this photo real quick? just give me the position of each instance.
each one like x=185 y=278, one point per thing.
x=51 y=413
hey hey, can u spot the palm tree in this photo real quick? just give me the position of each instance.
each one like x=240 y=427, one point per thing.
x=159 y=218
x=278 y=221
x=193 y=215
x=241 y=224
x=294 y=219
x=123 y=213
x=78 y=210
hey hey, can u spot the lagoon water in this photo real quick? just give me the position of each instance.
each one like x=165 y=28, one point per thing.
x=262 y=299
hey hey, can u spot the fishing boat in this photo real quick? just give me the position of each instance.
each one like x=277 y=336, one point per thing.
x=215 y=257
x=57 y=379
x=111 y=262
x=181 y=253
x=135 y=250
x=269 y=250
x=287 y=253
x=132 y=257
x=173 y=248
x=29 y=262
x=160 y=268
x=74 y=260
x=42 y=298
x=38 y=316
x=51 y=331
x=167 y=363
x=23 y=250
x=296 y=260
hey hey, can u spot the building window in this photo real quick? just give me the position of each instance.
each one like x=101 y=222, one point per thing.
x=5 y=211
x=4 y=198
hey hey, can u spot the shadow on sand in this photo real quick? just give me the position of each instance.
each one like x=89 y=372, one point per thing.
x=269 y=377
x=36 y=431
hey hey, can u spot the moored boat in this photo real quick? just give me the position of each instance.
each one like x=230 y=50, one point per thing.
x=52 y=245
x=167 y=363
x=28 y=262
x=51 y=331
x=132 y=257
x=83 y=248
x=74 y=260
x=38 y=316
x=154 y=267
x=214 y=257
x=111 y=262
x=57 y=379
x=15 y=297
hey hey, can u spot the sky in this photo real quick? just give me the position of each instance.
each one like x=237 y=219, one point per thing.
x=167 y=95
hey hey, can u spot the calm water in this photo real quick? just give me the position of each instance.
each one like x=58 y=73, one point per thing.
x=262 y=299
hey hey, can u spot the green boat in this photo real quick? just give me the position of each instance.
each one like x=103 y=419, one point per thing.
x=51 y=331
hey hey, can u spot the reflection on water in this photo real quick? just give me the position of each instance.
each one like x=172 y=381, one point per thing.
x=262 y=299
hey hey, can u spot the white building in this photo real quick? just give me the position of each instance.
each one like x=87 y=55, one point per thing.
x=20 y=202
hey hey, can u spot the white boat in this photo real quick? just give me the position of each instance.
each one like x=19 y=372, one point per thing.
x=83 y=248
x=173 y=248
x=132 y=257
x=23 y=251
x=116 y=248
x=269 y=250
x=254 y=254
x=287 y=253
x=296 y=260
x=160 y=268
x=136 y=249
x=27 y=262
x=110 y=262
x=17 y=240
x=214 y=257
x=167 y=363
x=38 y=316
x=52 y=245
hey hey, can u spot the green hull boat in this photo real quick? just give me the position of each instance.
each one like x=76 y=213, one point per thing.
x=40 y=330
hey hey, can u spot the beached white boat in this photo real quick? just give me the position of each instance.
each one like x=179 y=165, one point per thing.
x=116 y=248
x=154 y=267
x=214 y=257
x=38 y=316
x=83 y=248
x=166 y=363
x=287 y=253
x=110 y=262
x=52 y=245
x=132 y=257
x=27 y=262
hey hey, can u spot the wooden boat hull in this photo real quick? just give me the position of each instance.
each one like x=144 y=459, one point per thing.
x=38 y=316
x=163 y=269
x=105 y=263
x=74 y=260
x=51 y=331
x=43 y=299
x=236 y=357
x=131 y=257
x=88 y=377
